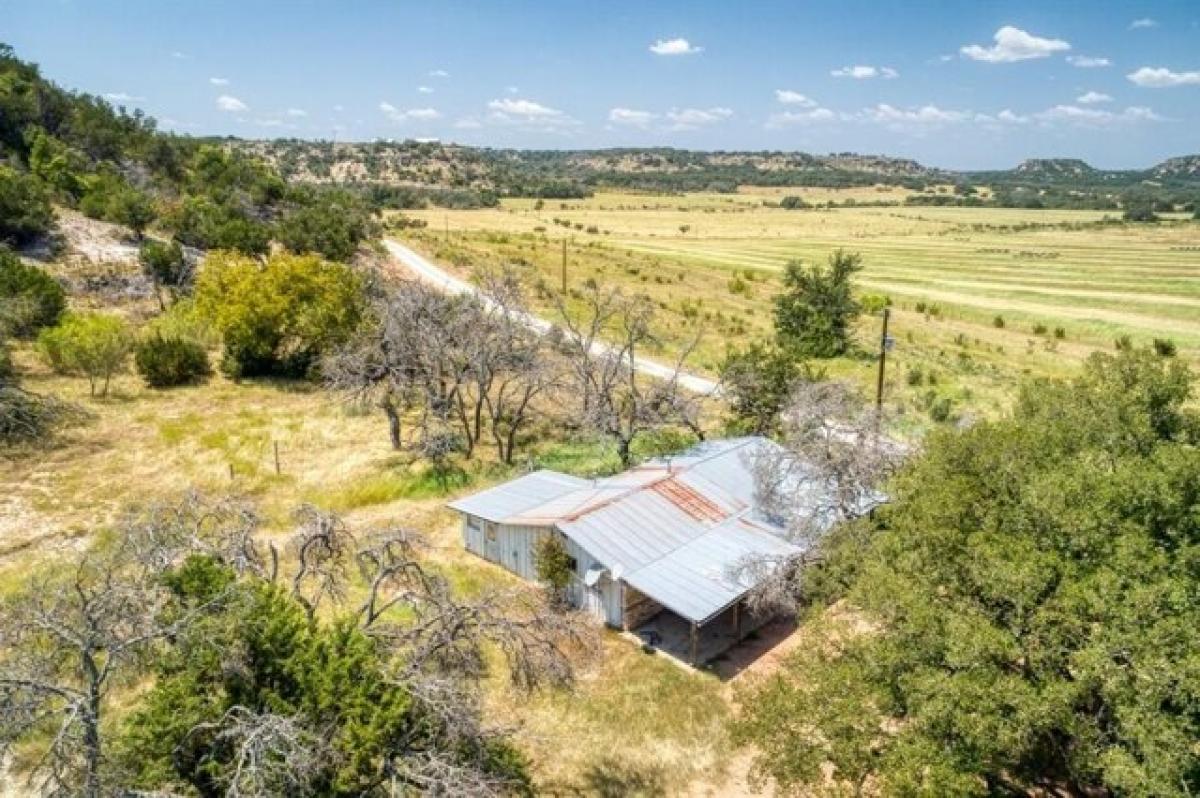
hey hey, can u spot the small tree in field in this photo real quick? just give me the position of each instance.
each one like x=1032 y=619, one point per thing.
x=554 y=566
x=817 y=309
x=165 y=265
x=95 y=345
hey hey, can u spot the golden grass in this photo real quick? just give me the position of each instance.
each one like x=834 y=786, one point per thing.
x=714 y=261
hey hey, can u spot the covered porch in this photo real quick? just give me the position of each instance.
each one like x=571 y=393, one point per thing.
x=696 y=643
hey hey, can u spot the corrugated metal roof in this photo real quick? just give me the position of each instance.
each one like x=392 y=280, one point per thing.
x=703 y=576
x=665 y=503
x=674 y=528
x=499 y=503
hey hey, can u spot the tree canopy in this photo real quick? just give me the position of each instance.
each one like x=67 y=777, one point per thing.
x=1031 y=604
x=277 y=317
x=815 y=311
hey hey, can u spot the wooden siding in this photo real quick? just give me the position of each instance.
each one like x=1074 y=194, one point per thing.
x=515 y=547
x=604 y=599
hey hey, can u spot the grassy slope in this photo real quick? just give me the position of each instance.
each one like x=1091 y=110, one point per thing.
x=636 y=720
x=1066 y=269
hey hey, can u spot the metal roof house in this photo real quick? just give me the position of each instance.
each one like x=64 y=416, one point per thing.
x=666 y=538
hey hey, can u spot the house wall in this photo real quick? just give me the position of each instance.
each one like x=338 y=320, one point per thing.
x=515 y=547
x=604 y=599
x=510 y=546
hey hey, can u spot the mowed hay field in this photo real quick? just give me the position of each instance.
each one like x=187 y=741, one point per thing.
x=981 y=296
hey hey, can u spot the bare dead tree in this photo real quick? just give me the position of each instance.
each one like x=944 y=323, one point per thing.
x=323 y=547
x=64 y=641
x=829 y=469
x=225 y=528
x=272 y=754
x=614 y=399
x=459 y=364
x=450 y=636
x=514 y=363
x=410 y=356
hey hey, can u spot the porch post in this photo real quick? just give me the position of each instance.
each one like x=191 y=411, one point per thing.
x=694 y=636
x=737 y=621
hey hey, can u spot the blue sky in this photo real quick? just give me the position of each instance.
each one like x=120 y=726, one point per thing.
x=958 y=85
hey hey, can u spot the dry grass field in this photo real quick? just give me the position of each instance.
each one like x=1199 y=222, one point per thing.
x=637 y=724
x=981 y=296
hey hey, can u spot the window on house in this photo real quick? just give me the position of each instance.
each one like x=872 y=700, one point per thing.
x=491 y=532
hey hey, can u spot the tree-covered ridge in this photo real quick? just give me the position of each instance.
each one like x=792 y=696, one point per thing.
x=426 y=170
x=76 y=150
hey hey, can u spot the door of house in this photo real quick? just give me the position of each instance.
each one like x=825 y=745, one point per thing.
x=491 y=542
x=594 y=599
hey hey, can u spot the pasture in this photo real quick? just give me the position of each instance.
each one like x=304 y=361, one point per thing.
x=980 y=296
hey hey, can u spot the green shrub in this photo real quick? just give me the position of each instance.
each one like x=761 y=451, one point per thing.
x=166 y=362
x=1060 y=333
x=205 y=223
x=1165 y=347
x=1039 y=329
x=998 y=322
x=95 y=345
x=25 y=211
x=939 y=409
x=29 y=297
x=278 y=317
x=330 y=223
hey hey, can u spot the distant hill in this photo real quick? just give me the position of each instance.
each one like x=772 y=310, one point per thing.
x=1056 y=167
x=1186 y=166
x=565 y=173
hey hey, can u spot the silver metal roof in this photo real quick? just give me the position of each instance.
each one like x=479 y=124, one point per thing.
x=499 y=503
x=677 y=529
x=707 y=574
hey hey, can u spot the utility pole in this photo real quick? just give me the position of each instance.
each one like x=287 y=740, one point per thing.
x=564 y=267
x=885 y=344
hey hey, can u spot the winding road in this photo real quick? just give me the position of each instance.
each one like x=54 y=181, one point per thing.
x=430 y=272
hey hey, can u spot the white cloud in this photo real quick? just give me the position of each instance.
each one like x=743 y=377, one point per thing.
x=219 y=81
x=788 y=97
x=512 y=89
x=425 y=89
x=1095 y=117
x=1011 y=118
x=526 y=108
x=809 y=117
x=296 y=113
x=678 y=46
x=439 y=73
x=339 y=108
x=122 y=97
x=860 y=72
x=692 y=118
x=1093 y=97
x=227 y=102
x=1144 y=22
x=1161 y=78
x=404 y=115
x=180 y=55
x=924 y=116
x=468 y=123
x=1014 y=44
x=628 y=117
x=527 y=113
x=1087 y=61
